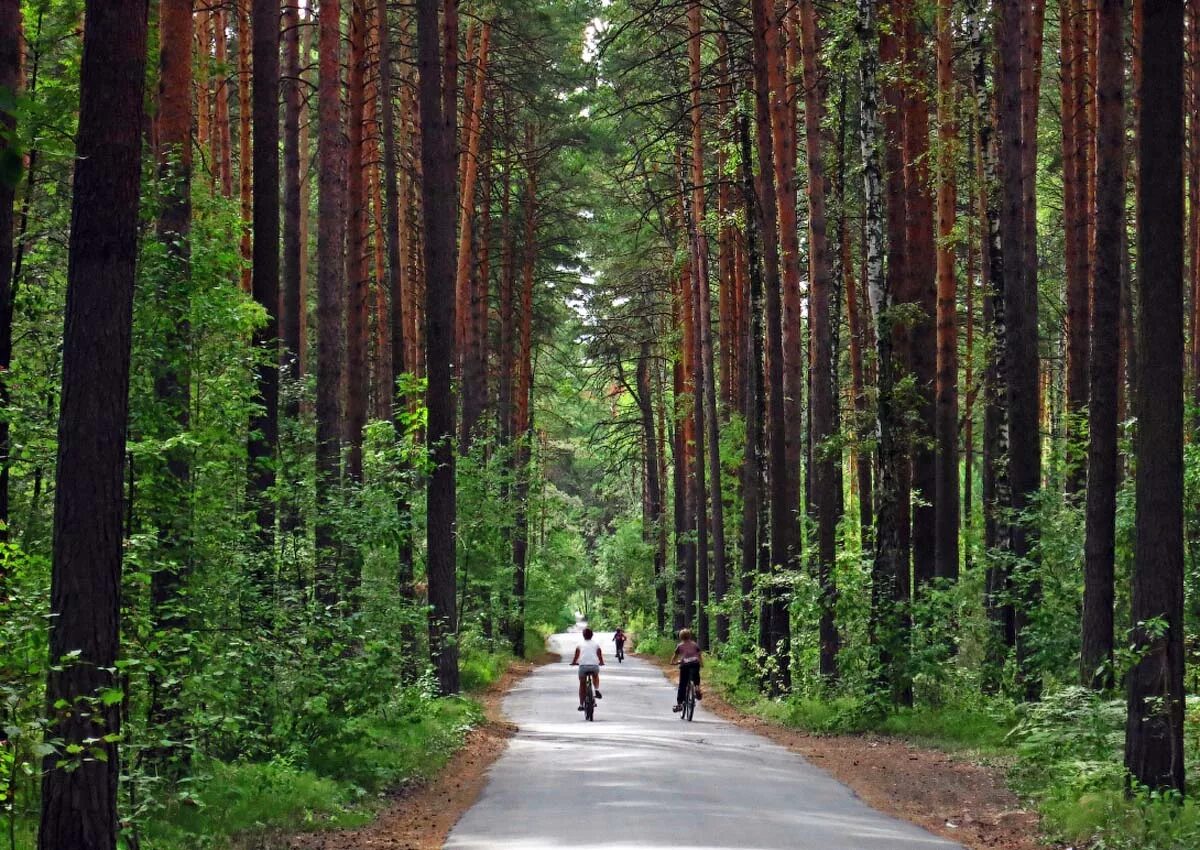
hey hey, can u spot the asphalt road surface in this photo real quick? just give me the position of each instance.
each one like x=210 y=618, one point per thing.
x=638 y=777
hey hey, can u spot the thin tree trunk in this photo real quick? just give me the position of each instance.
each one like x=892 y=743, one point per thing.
x=223 y=132
x=946 y=497
x=474 y=378
x=1075 y=247
x=438 y=193
x=331 y=303
x=1154 y=729
x=10 y=81
x=264 y=425
x=889 y=554
x=1096 y=647
x=357 y=376
x=79 y=806
x=523 y=422
x=290 y=304
x=1021 y=318
x=245 y=181
x=821 y=319
x=783 y=497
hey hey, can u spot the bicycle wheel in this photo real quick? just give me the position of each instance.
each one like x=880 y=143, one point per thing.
x=689 y=707
x=589 y=704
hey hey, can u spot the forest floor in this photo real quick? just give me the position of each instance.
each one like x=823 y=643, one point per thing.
x=419 y=817
x=949 y=794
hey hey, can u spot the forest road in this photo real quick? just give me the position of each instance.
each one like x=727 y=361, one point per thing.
x=638 y=777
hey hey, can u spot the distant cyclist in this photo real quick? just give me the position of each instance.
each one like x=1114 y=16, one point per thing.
x=619 y=639
x=690 y=659
x=589 y=659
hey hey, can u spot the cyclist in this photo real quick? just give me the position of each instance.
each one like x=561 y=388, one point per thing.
x=690 y=659
x=619 y=639
x=589 y=659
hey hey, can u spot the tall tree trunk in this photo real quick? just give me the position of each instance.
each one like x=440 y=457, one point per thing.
x=752 y=377
x=331 y=302
x=474 y=379
x=357 y=376
x=898 y=284
x=652 y=534
x=1021 y=312
x=703 y=321
x=946 y=495
x=171 y=378
x=523 y=421
x=821 y=319
x=889 y=555
x=1075 y=215
x=79 y=806
x=1154 y=729
x=783 y=492
x=10 y=82
x=245 y=181
x=1096 y=647
x=438 y=193
x=920 y=290
x=290 y=303
x=264 y=425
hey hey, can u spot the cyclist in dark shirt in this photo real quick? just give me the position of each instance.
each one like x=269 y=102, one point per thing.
x=690 y=659
x=619 y=639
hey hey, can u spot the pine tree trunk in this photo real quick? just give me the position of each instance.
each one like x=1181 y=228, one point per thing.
x=1075 y=247
x=438 y=194
x=474 y=373
x=1021 y=319
x=523 y=421
x=920 y=290
x=1154 y=729
x=290 y=304
x=1096 y=647
x=357 y=376
x=223 y=132
x=331 y=302
x=245 y=181
x=10 y=81
x=946 y=495
x=821 y=320
x=79 y=806
x=264 y=425
x=783 y=496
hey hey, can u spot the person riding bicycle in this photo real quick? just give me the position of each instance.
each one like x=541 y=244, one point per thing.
x=589 y=659
x=690 y=659
x=619 y=639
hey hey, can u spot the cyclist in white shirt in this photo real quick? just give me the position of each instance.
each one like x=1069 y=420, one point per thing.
x=589 y=659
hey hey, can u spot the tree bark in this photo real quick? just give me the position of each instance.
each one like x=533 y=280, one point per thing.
x=245 y=180
x=357 y=376
x=821 y=321
x=783 y=497
x=331 y=303
x=79 y=806
x=438 y=193
x=1021 y=319
x=1075 y=214
x=946 y=502
x=10 y=83
x=1096 y=647
x=1154 y=729
x=264 y=424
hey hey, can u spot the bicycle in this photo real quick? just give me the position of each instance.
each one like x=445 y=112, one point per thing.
x=689 y=702
x=589 y=700
x=621 y=652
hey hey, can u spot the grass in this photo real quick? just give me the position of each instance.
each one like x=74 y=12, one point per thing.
x=339 y=781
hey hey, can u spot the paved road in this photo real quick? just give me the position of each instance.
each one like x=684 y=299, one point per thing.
x=638 y=777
